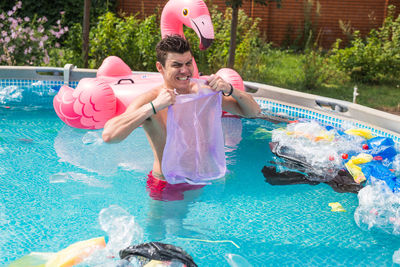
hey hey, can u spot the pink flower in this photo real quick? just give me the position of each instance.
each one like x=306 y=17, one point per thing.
x=27 y=50
x=11 y=49
x=10 y=13
x=62 y=13
x=19 y=4
x=46 y=60
x=27 y=19
x=14 y=23
x=3 y=33
x=2 y=16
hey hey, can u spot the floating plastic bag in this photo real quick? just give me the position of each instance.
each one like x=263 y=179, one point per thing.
x=377 y=170
x=157 y=254
x=194 y=150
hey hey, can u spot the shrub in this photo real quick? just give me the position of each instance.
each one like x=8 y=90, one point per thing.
x=129 y=38
x=134 y=40
x=113 y=36
x=50 y=9
x=71 y=50
x=312 y=65
x=26 y=41
x=374 y=59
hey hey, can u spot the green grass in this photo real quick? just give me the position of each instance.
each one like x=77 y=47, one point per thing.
x=285 y=69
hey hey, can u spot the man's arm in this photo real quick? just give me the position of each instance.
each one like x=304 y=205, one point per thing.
x=238 y=102
x=119 y=127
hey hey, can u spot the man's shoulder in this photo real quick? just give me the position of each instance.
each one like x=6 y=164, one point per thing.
x=153 y=92
x=156 y=89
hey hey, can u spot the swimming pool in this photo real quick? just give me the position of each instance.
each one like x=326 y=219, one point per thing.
x=56 y=181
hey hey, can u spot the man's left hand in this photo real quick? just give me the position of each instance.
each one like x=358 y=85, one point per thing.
x=218 y=84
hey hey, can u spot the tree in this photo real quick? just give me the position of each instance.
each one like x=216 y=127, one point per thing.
x=236 y=4
x=85 y=33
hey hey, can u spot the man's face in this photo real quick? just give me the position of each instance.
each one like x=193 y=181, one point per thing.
x=177 y=70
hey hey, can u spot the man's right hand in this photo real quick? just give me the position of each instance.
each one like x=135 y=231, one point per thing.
x=165 y=98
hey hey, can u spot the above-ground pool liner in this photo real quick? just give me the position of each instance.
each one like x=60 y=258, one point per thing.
x=146 y=252
x=194 y=151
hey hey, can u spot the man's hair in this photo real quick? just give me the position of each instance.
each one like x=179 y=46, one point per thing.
x=171 y=44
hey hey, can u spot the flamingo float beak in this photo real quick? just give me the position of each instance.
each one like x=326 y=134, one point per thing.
x=205 y=43
x=204 y=29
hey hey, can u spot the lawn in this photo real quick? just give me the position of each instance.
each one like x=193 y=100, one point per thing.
x=285 y=69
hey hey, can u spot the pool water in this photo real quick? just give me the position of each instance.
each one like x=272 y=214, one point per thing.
x=55 y=181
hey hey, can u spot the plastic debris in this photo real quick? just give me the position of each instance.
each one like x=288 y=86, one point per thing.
x=121 y=228
x=336 y=207
x=237 y=261
x=67 y=257
x=378 y=208
x=396 y=257
x=156 y=254
x=373 y=164
x=355 y=170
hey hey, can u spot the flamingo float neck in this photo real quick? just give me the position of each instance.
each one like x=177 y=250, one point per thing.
x=192 y=13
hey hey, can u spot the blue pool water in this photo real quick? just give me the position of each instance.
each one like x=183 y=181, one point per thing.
x=55 y=181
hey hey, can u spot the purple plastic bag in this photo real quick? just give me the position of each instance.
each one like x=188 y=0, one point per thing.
x=194 y=151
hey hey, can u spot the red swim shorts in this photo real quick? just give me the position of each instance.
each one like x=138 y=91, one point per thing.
x=162 y=190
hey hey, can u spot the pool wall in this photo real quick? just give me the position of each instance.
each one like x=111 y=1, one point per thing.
x=275 y=101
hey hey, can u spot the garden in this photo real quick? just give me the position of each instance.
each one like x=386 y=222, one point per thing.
x=53 y=37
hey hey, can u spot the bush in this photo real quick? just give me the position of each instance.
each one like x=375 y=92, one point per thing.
x=73 y=10
x=71 y=51
x=26 y=41
x=129 y=38
x=134 y=41
x=376 y=58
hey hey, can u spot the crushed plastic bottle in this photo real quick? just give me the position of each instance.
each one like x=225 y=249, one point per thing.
x=378 y=208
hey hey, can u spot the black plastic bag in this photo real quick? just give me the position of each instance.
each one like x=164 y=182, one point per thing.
x=157 y=251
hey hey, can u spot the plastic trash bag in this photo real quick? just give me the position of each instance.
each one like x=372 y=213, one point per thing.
x=168 y=254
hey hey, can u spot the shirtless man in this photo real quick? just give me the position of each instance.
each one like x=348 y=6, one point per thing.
x=175 y=63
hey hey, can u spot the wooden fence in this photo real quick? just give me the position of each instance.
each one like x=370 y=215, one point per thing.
x=286 y=24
